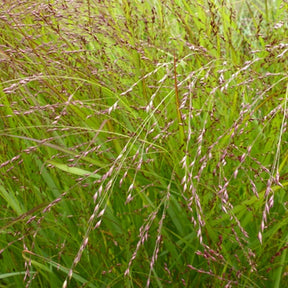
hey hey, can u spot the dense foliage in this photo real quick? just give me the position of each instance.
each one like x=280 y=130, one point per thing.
x=143 y=143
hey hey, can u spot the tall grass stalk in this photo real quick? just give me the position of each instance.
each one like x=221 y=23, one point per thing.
x=143 y=143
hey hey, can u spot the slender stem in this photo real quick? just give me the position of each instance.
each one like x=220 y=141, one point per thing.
x=179 y=115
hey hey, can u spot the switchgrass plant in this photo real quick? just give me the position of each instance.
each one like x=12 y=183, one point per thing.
x=143 y=143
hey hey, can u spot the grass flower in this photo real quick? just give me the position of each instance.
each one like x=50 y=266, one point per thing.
x=143 y=143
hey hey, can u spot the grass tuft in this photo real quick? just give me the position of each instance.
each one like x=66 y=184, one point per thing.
x=143 y=143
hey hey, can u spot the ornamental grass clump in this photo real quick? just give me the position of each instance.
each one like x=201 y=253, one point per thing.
x=143 y=144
